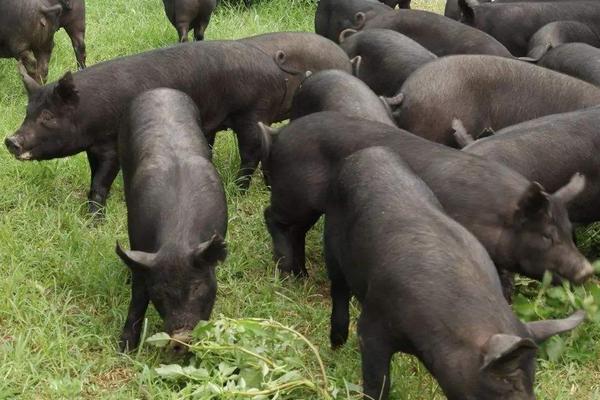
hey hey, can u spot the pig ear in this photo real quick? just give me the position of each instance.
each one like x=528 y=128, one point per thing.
x=66 y=91
x=466 y=9
x=138 y=260
x=533 y=202
x=280 y=57
x=542 y=330
x=345 y=34
x=355 y=62
x=462 y=137
x=210 y=252
x=31 y=84
x=52 y=12
x=571 y=190
x=359 y=19
x=504 y=354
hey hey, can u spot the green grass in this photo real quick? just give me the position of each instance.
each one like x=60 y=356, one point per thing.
x=63 y=289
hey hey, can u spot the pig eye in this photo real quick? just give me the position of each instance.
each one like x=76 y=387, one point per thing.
x=547 y=237
x=46 y=116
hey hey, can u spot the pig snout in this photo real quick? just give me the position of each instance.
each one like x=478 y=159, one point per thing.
x=13 y=145
x=179 y=339
x=577 y=273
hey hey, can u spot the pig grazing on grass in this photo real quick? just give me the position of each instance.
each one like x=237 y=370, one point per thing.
x=27 y=30
x=334 y=90
x=72 y=20
x=333 y=16
x=176 y=214
x=510 y=215
x=485 y=92
x=556 y=33
x=235 y=84
x=386 y=58
x=549 y=150
x=186 y=15
x=576 y=59
x=427 y=287
x=513 y=24
x=438 y=34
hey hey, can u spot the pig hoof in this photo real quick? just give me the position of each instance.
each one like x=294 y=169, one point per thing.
x=337 y=341
x=96 y=209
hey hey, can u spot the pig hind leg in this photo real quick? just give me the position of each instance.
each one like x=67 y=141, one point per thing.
x=376 y=353
x=340 y=301
x=200 y=27
x=104 y=166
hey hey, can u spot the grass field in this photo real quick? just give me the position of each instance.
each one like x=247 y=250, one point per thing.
x=64 y=292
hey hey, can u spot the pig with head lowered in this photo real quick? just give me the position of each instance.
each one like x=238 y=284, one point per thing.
x=440 y=35
x=513 y=24
x=234 y=84
x=556 y=33
x=383 y=58
x=176 y=214
x=523 y=228
x=531 y=146
x=335 y=90
x=485 y=92
x=333 y=16
x=576 y=59
x=186 y=15
x=27 y=30
x=389 y=242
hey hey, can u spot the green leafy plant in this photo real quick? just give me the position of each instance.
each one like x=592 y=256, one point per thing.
x=536 y=301
x=250 y=358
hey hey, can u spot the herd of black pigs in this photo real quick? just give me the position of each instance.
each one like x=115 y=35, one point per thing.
x=447 y=153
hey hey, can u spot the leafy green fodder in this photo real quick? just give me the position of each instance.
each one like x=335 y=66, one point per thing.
x=65 y=292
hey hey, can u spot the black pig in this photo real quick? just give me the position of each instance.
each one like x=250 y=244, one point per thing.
x=548 y=137
x=27 y=30
x=235 y=84
x=334 y=90
x=333 y=16
x=438 y=34
x=513 y=24
x=556 y=33
x=186 y=15
x=415 y=270
x=523 y=228
x=387 y=58
x=176 y=214
x=485 y=92
x=576 y=59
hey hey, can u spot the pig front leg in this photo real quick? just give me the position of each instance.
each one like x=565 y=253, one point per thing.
x=376 y=354
x=132 y=331
x=30 y=63
x=248 y=134
x=43 y=60
x=507 y=280
x=340 y=302
x=104 y=167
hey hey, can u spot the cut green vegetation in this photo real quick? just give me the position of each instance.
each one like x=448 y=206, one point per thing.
x=65 y=292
